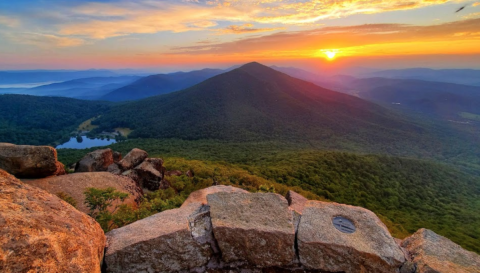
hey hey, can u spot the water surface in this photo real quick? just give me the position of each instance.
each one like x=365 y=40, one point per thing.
x=73 y=143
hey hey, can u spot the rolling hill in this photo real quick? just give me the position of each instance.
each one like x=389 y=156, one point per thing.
x=436 y=99
x=36 y=120
x=160 y=84
x=255 y=102
x=459 y=76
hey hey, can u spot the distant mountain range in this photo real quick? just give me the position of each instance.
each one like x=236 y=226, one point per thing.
x=436 y=99
x=255 y=102
x=459 y=76
x=160 y=84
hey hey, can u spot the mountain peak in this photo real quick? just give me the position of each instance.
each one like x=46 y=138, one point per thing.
x=253 y=65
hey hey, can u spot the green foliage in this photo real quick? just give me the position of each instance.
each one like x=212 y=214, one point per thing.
x=99 y=201
x=407 y=194
x=67 y=198
x=43 y=120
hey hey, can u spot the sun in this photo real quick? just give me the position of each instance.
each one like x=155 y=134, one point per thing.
x=329 y=53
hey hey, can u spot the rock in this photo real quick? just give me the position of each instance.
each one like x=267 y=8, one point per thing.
x=75 y=185
x=255 y=228
x=41 y=233
x=200 y=196
x=434 y=253
x=132 y=159
x=149 y=173
x=174 y=173
x=370 y=248
x=114 y=169
x=296 y=201
x=159 y=243
x=190 y=173
x=30 y=161
x=165 y=184
x=96 y=161
x=117 y=156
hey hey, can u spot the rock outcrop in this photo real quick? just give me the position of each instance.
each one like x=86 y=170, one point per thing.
x=132 y=159
x=150 y=173
x=253 y=228
x=30 y=161
x=96 y=161
x=41 y=233
x=160 y=243
x=359 y=243
x=431 y=252
x=200 y=196
x=295 y=201
x=75 y=185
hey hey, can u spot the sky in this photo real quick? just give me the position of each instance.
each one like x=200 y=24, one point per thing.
x=173 y=35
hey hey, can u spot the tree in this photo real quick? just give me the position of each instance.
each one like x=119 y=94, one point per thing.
x=99 y=201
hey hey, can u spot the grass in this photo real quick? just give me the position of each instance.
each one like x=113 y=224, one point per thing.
x=124 y=131
x=87 y=125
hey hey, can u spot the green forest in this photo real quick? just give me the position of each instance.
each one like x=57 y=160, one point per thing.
x=43 y=120
x=406 y=193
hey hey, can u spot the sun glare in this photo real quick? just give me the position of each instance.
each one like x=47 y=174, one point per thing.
x=330 y=53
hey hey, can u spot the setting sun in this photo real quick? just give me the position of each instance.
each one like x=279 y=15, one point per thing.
x=329 y=53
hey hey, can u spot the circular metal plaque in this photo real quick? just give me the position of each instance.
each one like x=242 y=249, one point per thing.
x=343 y=224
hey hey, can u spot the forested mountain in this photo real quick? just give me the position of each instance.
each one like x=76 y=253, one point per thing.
x=437 y=99
x=43 y=120
x=38 y=76
x=459 y=76
x=160 y=84
x=255 y=102
x=85 y=88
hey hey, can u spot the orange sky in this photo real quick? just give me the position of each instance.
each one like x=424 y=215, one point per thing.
x=188 y=34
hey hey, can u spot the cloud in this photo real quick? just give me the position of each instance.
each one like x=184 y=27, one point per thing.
x=44 y=40
x=9 y=21
x=343 y=37
x=104 y=20
x=476 y=4
x=245 y=28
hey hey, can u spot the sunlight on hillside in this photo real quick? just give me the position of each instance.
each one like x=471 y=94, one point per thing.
x=87 y=125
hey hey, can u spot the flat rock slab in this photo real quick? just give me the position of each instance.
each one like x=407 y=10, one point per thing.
x=255 y=228
x=29 y=161
x=159 y=243
x=76 y=184
x=370 y=248
x=431 y=252
x=200 y=196
x=41 y=233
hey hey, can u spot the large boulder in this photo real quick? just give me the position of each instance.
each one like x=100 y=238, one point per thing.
x=132 y=159
x=41 y=233
x=150 y=173
x=171 y=241
x=117 y=156
x=431 y=253
x=200 y=196
x=96 y=161
x=75 y=185
x=30 y=161
x=359 y=242
x=254 y=228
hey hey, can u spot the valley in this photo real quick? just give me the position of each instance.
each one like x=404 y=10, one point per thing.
x=253 y=126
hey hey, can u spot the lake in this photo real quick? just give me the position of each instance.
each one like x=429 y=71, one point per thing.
x=86 y=143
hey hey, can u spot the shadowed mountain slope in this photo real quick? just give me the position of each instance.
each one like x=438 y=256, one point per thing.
x=160 y=84
x=255 y=102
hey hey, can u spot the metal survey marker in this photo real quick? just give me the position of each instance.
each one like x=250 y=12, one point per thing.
x=343 y=224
